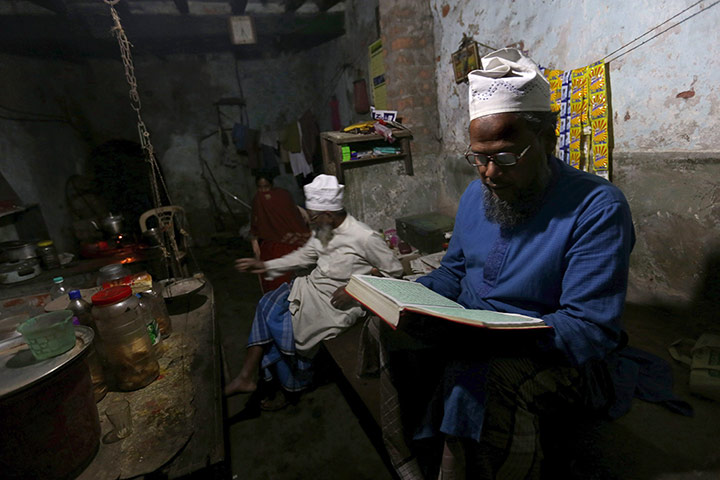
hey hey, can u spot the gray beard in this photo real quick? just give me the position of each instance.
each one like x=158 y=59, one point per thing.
x=528 y=202
x=324 y=233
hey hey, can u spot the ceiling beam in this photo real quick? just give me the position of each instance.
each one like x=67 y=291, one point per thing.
x=182 y=6
x=65 y=37
x=57 y=6
x=238 y=6
x=123 y=9
x=292 y=5
x=324 y=5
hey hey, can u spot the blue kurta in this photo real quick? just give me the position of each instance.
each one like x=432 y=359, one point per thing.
x=567 y=265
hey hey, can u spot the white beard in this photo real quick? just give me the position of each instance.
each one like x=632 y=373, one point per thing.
x=324 y=233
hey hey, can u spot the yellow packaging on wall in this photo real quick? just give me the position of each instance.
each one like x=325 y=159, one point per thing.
x=598 y=108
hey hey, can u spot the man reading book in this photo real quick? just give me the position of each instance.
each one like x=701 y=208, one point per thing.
x=533 y=236
x=291 y=321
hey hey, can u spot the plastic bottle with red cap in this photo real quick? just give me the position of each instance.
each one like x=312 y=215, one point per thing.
x=128 y=348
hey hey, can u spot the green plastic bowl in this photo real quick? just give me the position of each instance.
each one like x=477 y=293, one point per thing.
x=49 y=334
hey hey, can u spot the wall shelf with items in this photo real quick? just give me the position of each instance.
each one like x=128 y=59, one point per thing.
x=332 y=144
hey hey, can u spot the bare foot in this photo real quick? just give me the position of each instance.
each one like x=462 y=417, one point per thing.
x=241 y=384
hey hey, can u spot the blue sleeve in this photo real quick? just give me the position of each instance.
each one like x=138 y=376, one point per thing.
x=587 y=324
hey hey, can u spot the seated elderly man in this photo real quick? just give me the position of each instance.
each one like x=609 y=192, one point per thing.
x=532 y=236
x=291 y=321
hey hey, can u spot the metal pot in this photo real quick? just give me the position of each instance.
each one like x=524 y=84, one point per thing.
x=16 y=250
x=48 y=416
x=153 y=236
x=13 y=272
x=111 y=224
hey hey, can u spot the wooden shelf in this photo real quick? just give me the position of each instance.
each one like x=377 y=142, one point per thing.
x=332 y=143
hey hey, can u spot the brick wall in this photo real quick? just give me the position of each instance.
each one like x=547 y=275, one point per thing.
x=407 y=34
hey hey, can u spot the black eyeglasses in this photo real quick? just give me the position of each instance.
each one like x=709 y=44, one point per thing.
x=503 y=159
x=314 y=217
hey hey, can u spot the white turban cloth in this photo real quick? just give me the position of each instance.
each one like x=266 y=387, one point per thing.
x=508 y=82
x=324 y=194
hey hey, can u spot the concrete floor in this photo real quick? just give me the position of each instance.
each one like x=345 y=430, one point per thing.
x=321 y=437
x=315 y=439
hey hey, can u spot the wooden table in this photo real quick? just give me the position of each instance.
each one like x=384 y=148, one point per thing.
x=177 y=419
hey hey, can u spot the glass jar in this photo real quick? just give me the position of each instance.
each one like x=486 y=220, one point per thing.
x=126 y=342
x=109 y=273
x=158 y=309
x=48 y=254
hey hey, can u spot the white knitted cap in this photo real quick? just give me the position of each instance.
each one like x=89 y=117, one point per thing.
x=508 y=82
x=324 y=193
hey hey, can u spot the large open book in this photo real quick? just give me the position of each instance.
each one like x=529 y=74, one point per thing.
x=389 y=298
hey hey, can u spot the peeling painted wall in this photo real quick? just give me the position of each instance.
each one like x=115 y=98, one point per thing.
x=178 y=93
x=378 y=194
x=37 y=157
x=665 y=100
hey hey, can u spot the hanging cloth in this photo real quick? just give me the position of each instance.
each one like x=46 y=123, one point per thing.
x=298 y=161
x=309 y=134
x=290 y=139
x=362 y=103
x=335 y=113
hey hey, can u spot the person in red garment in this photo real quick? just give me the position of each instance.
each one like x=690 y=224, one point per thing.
x=277 y=227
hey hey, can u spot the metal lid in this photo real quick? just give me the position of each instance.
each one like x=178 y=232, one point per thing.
x=113 y=268
x=12 y=244
x=19 y=369
x=111 y=295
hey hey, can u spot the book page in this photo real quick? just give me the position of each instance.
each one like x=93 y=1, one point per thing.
x=483 y=317
x=408 y=293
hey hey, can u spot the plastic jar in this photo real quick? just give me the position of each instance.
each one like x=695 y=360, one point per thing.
x=158 y=310
x=82 y=311
x=127 y=345
x=48 y=254
x=145 y=309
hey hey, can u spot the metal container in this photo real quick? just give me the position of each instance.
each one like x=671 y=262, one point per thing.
x=19 y=271
x=48 y=418
x=113 y=224
x=16 y=250
x=153 y=236
x=113 y=271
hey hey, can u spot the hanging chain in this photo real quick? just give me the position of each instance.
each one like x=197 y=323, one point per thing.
x=143 y=132
x=136 y=105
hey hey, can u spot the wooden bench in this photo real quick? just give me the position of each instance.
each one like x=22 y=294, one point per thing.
x=643 y=444
x=362 y=394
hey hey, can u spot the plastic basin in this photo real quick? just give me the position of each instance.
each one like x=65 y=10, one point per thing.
x=49 y=334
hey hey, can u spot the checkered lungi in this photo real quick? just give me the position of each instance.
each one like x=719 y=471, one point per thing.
x=272 y=329
x=492 y=405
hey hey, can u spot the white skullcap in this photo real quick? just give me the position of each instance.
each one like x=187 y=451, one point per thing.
x=324 y=194
x=508 y=82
